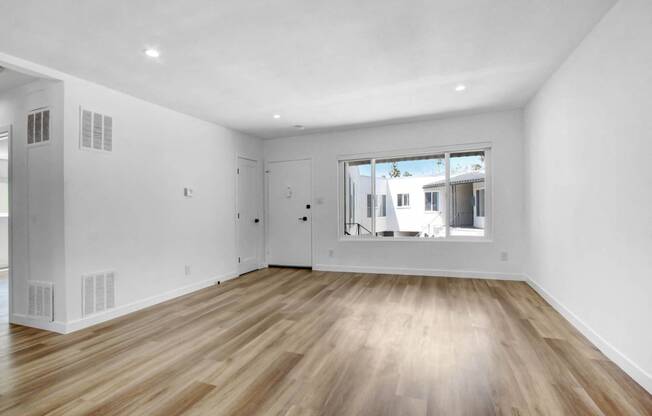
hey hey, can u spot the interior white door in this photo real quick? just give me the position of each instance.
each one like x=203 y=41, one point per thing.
x=248 y=215
x=290 y=219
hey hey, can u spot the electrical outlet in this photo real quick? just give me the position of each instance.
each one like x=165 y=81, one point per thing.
x=504 y=256
x=187 y=270
x=331 y=253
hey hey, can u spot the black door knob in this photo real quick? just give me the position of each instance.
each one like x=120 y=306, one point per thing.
x=303 y=219
x=256 y=220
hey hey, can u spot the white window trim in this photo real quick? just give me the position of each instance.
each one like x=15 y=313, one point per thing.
x=400 y=196
x=446 y=150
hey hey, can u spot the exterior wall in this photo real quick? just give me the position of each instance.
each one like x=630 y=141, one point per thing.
x=361 y=186
x=478 y=222
x=413 y=218
x=462 y=213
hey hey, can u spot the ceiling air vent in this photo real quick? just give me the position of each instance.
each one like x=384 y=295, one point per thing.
x=40 y=303
x=95 y=131
x=38 y=126
x=98 y=292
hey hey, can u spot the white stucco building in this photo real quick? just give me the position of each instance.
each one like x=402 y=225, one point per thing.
x=415 y=206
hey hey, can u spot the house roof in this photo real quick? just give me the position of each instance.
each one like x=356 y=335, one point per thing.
x=458 y=178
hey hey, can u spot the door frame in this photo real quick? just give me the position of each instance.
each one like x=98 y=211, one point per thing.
x=259 y=258
x=312 y=205
x=10 y=185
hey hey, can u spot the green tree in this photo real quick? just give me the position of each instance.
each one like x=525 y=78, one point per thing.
x=439 y=166
x=406 y=173
x=395 y=171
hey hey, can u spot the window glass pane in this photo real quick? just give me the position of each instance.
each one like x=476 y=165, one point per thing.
x=405 y=181
x=403 y=200
x=357 y=198
x=381 y=208
x=432 y=201
x=370 y=205
x=466 y=190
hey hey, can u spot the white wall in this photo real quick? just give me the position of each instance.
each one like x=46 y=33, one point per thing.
x=414 y=217
x=503 y=129
x=125 y=210
x=589 y=130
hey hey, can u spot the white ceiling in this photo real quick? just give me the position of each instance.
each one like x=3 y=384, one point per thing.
x=322 y=64
x=10 y=79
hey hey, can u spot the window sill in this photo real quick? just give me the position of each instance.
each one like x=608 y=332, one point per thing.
x=415 y=240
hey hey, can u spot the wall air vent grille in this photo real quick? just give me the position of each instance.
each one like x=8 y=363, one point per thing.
x=40 y=303
x=38 y=126
x=98 y=292
x=95 y=131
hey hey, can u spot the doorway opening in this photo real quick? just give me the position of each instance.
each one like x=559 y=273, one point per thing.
x=13 y=86
x=248 y=217
x=4 y=224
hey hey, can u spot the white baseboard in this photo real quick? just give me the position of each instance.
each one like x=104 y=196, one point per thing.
x=25 y=320
x=419 y=272
x=122 y=310
x=621 y=360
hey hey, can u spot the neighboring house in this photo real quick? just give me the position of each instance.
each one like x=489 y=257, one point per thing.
x=414 y=205
x=468 y=198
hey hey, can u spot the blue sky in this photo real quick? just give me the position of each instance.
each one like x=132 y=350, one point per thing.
x=423 y=167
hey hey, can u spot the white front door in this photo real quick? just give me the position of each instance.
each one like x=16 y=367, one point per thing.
x=248 y=215
x=290 y=219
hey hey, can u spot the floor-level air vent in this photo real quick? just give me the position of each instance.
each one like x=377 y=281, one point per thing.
x=98 y=292
x=38 y=126
x=40 y=303
x=95 y=131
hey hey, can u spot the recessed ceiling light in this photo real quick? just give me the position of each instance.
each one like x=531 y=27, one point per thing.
x=152 y=53
x=460 y=87
x=277 y=116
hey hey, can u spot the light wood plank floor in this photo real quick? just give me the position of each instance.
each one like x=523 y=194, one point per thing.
x=295 y=342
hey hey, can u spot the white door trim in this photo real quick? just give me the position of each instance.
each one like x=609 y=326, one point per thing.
x=259 y=203
x=312 y=206
x=10 y=185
